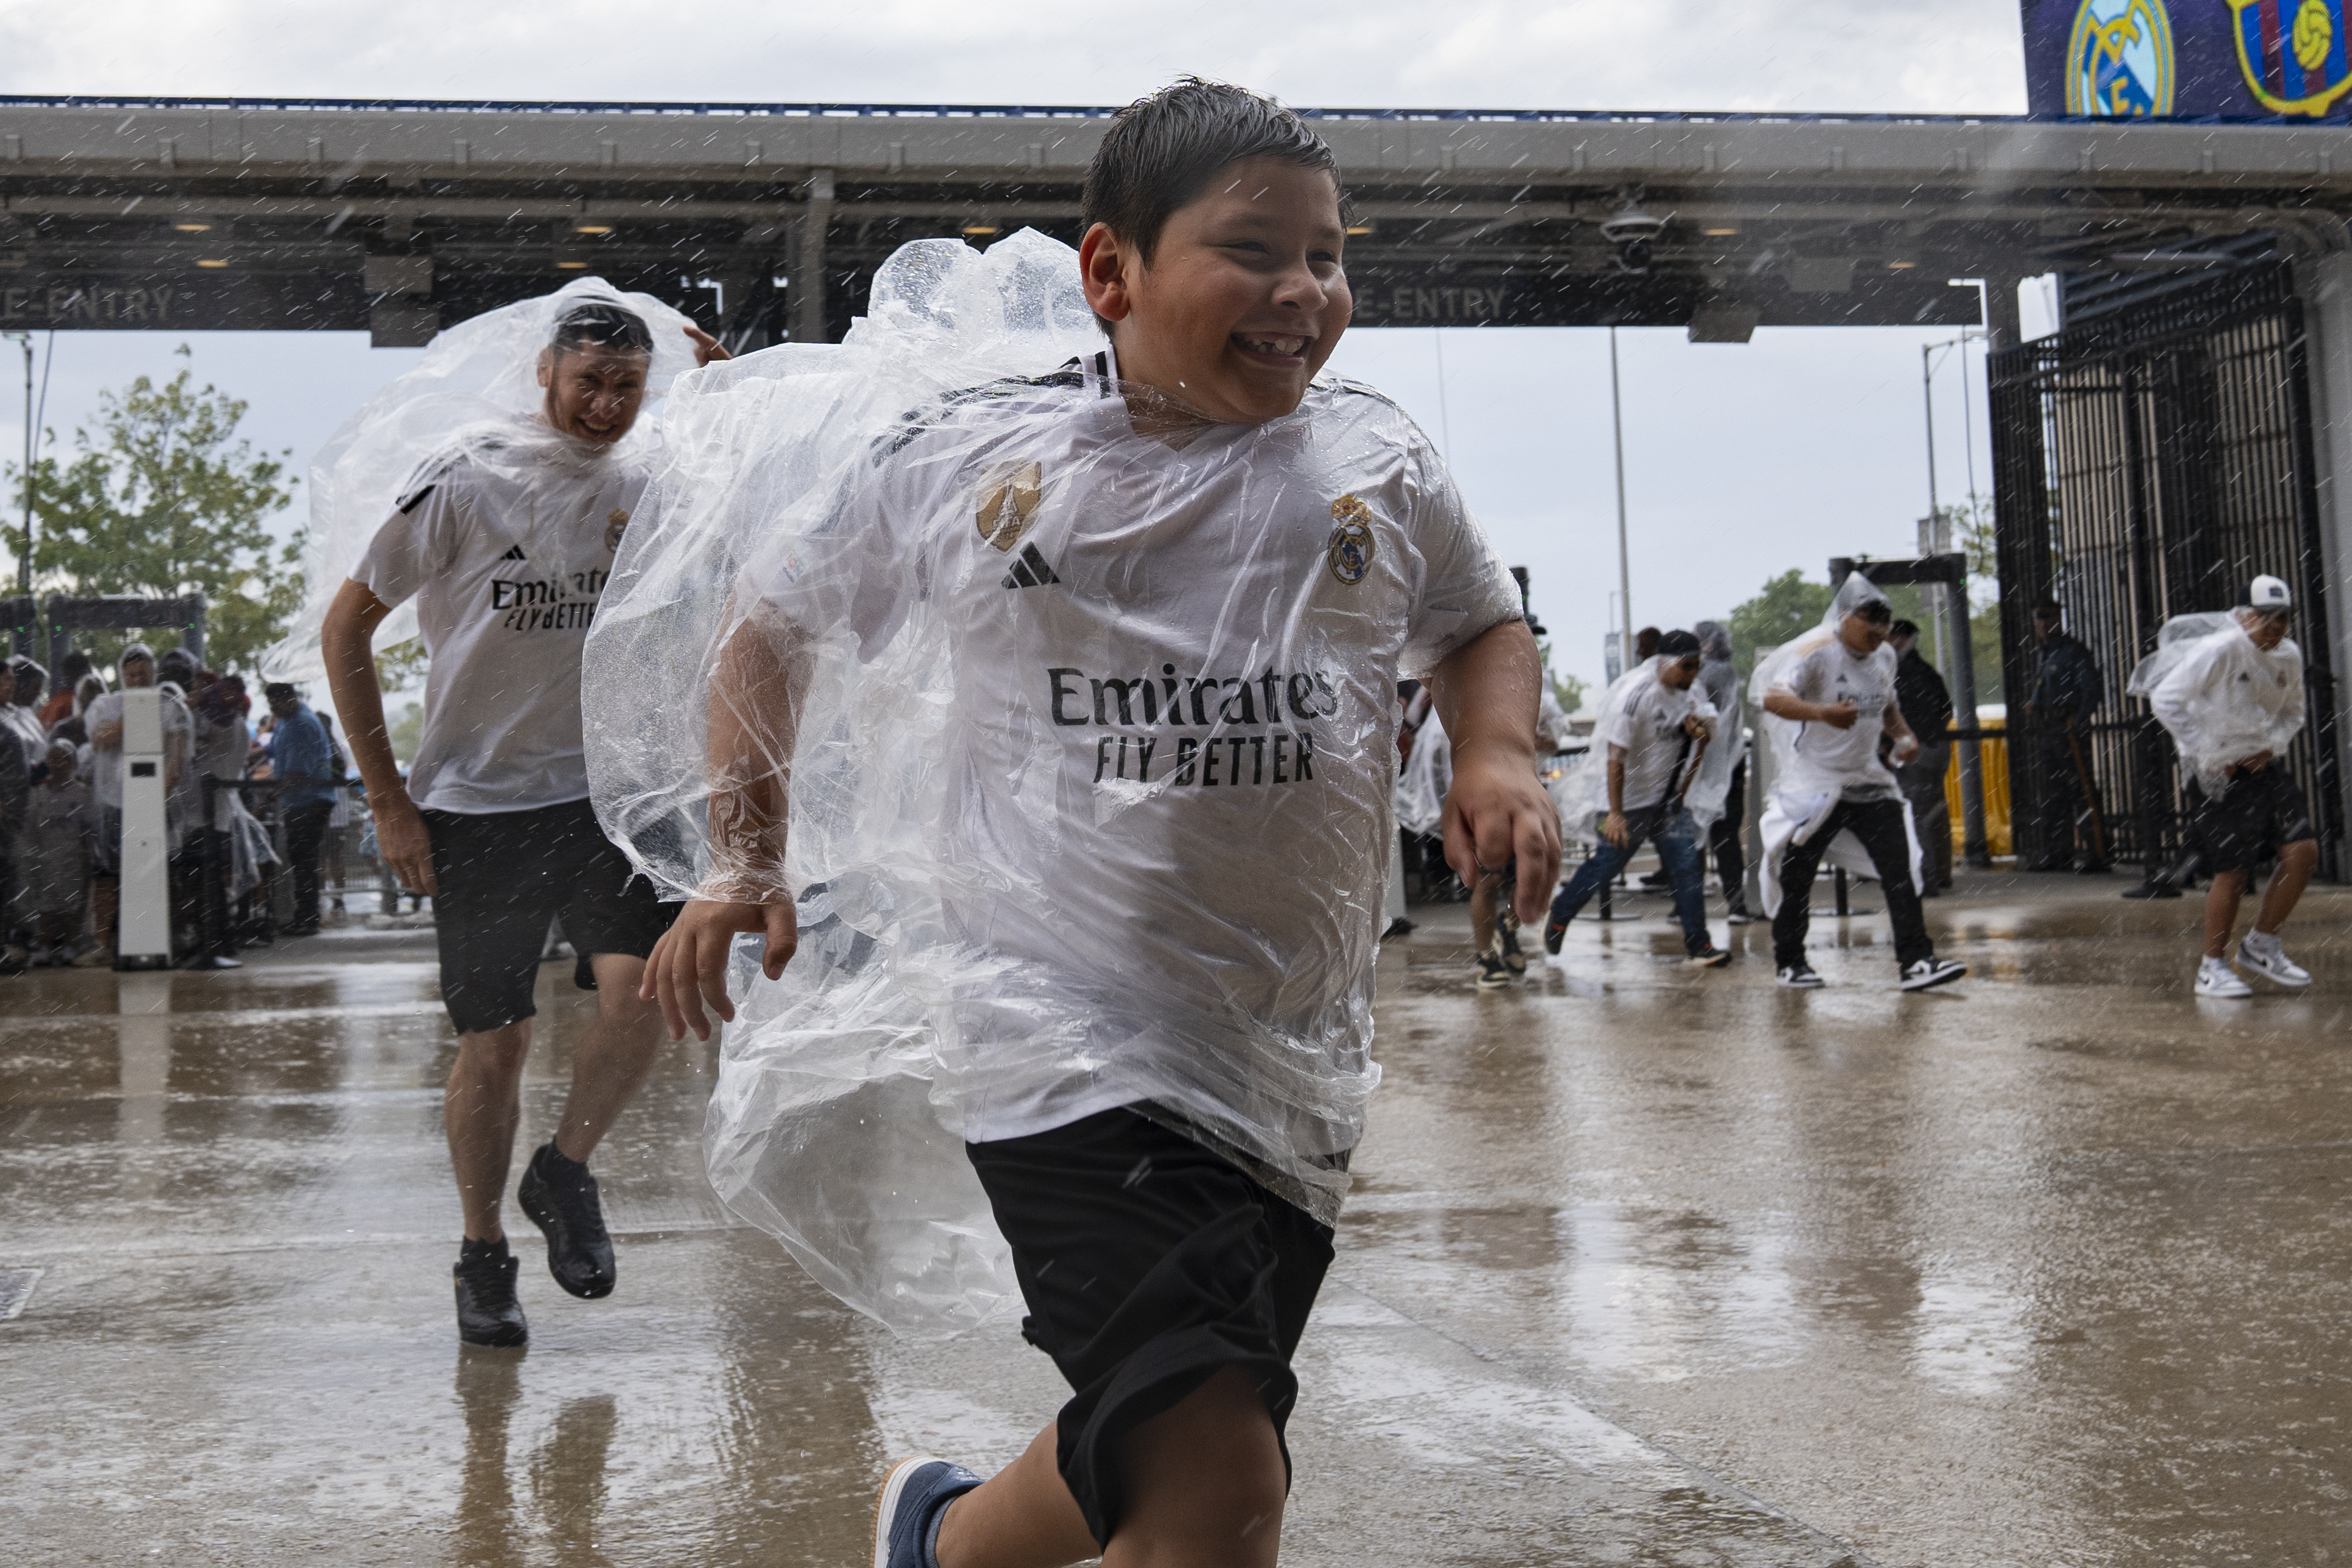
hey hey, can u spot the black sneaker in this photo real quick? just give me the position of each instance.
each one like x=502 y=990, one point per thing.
x=1554 y=933
x=1741 y=915
x=1799 y=976
x=1493 y=974
x=488 y=1312
x=1708 y=957
x=1929 y=972
x=559 y=1196
x=1506 y=947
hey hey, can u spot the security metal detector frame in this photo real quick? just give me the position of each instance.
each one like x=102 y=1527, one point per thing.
x=1952 y=573
x=63 y=615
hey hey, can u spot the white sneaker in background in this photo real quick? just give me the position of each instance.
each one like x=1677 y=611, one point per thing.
x=2265 y=958
x=2216 y=978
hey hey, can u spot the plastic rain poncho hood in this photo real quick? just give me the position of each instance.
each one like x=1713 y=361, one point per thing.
x=1806 y=785
x=1090 y=789
x=475 y=392
x=2220 y=697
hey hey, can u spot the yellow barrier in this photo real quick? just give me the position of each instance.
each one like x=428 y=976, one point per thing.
x=1996 y=791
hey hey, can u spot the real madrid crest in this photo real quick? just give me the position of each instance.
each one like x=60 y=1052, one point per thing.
x=1351 y=548
x=1008 y=502
x=616 y=523
x=2119 y=60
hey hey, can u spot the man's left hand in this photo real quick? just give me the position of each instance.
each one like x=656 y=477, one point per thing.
x=705 y=346
x=1497 y=809
x=1907 y=749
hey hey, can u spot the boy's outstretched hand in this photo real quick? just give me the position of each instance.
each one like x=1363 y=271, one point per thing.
x=1497 y=809
x=688 y=967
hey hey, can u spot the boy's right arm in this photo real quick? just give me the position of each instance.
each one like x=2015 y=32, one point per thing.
x=347 y=644
x=755 y=699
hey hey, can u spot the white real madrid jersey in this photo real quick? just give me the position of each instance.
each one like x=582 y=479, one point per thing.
x=1170 y=672
x=507 y=547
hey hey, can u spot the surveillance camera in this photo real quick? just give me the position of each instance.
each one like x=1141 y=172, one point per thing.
x=1631 y=232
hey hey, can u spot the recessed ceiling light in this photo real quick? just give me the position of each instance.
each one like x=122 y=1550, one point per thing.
x=191 y=228
x=572 y=266
x=209 y=261
x=591 y=228
x=1901 y=265
x=1360 y=228
x=1719 y=234
x=980 y=230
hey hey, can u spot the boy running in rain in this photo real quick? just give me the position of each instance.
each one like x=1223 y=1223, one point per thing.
x=1657 y=730
x=1273 y=551
x=2229 y=690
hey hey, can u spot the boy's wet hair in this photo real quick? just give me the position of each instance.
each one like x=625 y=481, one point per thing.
x=1877 y=611
x=595 y=323
x=1162 y=150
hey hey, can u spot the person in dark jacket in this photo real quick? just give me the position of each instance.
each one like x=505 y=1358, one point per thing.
x=2066 y=692
x=1927 y=705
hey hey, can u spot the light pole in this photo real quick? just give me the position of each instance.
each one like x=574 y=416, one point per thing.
x=1963 y=665
x=24 y=556
x=1624 y=569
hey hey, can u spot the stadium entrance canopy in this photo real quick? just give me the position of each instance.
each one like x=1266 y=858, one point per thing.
x=2190 y=424
x=768 y=221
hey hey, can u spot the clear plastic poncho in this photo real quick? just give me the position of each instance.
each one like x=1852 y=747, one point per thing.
x=1809 y=767
x=477 y=388
x=2220 y=696
x=1089 y=788
x=1583 y=795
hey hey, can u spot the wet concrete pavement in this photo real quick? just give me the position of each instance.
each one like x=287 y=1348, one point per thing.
x=1646 y=1265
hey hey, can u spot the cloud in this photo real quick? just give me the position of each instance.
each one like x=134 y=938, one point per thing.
x=1930 y=56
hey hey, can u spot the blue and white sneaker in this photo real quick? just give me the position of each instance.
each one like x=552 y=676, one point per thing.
x=914 y=1498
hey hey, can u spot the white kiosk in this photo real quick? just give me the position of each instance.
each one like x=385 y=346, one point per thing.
x=146 y=909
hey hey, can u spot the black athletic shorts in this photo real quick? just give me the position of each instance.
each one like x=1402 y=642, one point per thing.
x=1148 y=1264
x=2259 y=814
x=503 y=875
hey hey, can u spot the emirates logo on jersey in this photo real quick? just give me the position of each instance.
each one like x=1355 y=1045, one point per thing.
x=1008 y=504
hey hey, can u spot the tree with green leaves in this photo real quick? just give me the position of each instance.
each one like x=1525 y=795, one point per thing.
x=161 y=499
x=1787 y=609
x=1568 y=689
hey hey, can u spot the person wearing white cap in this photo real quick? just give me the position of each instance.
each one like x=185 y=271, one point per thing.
x=2229 y=689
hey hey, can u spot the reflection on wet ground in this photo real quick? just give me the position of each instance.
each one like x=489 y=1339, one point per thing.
x=1646 y=1265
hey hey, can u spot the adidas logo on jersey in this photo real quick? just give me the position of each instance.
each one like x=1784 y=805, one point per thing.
x=514 y=554
x=1029 y=569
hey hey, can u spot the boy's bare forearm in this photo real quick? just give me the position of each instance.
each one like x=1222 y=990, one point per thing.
x=347 y=646
x=1486 y=692
x=755 y=707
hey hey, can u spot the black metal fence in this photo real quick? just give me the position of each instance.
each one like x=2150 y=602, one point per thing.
x=2147 y=462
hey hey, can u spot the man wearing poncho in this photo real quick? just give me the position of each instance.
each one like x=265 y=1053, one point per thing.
x=1828 y=698
x=2228 y=688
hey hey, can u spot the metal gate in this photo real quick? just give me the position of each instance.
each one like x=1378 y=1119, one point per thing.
x=2147 y=461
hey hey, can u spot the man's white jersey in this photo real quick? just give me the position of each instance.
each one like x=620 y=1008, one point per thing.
x=507 y=547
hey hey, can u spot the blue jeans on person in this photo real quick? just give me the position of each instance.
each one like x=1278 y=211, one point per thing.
x=1681 y=849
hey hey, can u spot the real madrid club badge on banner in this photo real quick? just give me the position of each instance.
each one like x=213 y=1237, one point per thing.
x=2235 y=59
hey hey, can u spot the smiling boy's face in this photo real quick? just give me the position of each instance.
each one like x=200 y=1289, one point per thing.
x=1243 y=299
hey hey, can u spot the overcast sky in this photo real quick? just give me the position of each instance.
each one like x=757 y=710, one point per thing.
x=1741 y=461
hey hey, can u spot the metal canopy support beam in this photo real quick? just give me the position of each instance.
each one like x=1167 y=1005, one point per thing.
x=65 y=616
x=808 y=274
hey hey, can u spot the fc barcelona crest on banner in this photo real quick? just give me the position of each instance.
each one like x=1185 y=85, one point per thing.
x=2119 y=61
x=2292 y=52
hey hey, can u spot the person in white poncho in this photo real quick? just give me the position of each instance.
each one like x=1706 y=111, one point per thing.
x=2228 y=687
x=1828 y=697
x=1656 y=730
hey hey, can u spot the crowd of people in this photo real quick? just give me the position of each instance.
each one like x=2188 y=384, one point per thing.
x=62 y=805
x=1861 y=725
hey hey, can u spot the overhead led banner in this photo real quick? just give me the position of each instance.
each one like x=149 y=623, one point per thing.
x=2242 y=60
